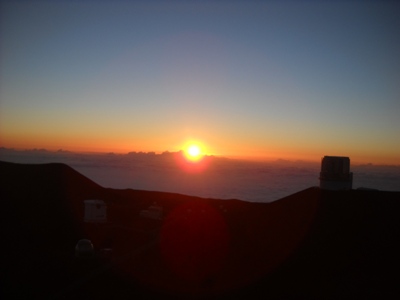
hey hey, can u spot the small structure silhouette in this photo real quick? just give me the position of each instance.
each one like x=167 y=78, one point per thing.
x=153 y=212
x=95 y=211
x=335 y=173
x=84 y=249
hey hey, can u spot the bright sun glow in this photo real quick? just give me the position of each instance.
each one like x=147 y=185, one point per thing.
x=193 y=152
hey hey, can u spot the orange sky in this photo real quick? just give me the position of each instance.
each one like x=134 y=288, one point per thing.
x=249 y=79
x=220 y=147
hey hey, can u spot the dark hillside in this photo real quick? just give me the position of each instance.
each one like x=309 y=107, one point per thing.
x=41 y=223
x=46 y=179
x=51 y=193
x=312 y=244
x=350 y=250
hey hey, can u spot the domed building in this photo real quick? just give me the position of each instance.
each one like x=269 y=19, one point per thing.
x=335 y=173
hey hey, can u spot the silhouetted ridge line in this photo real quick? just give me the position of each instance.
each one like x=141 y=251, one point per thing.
x=314 y=244
x=49 y=171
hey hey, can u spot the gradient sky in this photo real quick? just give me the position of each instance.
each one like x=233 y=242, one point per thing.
x=261 y=79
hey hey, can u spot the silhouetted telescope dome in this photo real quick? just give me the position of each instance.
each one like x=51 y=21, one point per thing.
x=84 y=248
x=335 y=173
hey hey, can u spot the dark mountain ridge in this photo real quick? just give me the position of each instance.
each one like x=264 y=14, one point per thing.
x=312 y=244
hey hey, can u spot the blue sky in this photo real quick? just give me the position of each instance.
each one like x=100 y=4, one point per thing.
x=262 y=78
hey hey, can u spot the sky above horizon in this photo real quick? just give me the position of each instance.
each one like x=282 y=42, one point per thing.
x=254 y=79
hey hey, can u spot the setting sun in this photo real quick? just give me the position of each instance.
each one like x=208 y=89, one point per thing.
x=193 y=152
x=193 y=158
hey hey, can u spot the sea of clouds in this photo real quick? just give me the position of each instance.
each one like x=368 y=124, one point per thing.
x=221 y=178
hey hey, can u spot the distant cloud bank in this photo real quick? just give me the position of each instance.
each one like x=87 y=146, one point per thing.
x=221 y=178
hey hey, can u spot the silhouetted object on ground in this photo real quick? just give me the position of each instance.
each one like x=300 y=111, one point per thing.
x=153 y=212
x=335 y=173
x=315 y=244
x=84 y=249
x=95 y=211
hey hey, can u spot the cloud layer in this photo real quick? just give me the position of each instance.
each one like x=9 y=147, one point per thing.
x=221 y=178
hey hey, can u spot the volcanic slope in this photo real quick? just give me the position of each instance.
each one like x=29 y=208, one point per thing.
x=312 y=244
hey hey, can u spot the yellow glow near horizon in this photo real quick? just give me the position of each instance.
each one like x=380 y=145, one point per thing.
x=193 y=151
x=67 y=138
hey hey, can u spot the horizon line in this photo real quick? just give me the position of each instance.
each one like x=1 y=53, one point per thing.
x=232 y=157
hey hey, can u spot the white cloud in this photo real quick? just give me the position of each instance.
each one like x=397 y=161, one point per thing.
x=224 y=178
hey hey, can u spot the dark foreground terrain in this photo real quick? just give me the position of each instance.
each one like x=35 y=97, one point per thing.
x=312 y=244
